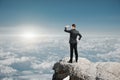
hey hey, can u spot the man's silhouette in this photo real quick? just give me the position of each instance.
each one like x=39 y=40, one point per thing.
x=73 y=41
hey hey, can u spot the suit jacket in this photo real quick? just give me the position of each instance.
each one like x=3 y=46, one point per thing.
x=73 y=35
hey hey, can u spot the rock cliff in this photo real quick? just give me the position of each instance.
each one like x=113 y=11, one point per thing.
x=86 y=70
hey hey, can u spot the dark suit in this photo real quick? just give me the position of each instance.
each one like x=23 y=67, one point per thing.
x=73 y=42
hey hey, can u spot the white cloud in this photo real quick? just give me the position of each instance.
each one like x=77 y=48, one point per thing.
x=39 y=57
x=6 y=71
x=13 y=60
x=107 y=49
x=43 y=65
x=36 y=77
x=7 y=79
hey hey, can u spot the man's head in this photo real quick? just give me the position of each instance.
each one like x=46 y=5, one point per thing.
x=73 y=26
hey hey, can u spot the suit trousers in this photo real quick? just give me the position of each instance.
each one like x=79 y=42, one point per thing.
x=73 y=47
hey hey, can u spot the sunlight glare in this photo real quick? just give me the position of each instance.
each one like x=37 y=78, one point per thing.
x=29 y=35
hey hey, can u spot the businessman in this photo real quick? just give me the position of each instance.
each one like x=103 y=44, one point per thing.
x=73 y=41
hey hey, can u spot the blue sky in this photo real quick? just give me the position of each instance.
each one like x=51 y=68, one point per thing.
x=50 y=16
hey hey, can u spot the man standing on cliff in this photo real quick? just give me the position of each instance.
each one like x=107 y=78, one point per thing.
x=73 y=41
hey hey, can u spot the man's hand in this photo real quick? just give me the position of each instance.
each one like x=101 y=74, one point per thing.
x=67 y=26
x=80 y=36
x=66 y=29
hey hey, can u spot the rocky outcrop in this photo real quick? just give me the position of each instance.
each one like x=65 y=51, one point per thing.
x=86 y=70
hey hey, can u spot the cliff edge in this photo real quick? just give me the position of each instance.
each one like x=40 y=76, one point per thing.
x=86 y=70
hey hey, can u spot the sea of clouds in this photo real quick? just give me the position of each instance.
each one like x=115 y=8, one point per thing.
x=33 y=60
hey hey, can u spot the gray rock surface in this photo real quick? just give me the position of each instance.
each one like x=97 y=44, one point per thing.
x=86 y=70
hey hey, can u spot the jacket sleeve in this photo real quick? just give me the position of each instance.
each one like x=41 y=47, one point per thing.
x=67 y=30
x=80 y=36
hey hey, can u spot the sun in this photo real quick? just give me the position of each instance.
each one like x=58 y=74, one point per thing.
x=29 y=35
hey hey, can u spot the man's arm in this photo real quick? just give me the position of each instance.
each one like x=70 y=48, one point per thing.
x=67 y=30
x=80 y=36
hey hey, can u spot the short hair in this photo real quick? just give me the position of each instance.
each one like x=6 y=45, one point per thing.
x=73 y=25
